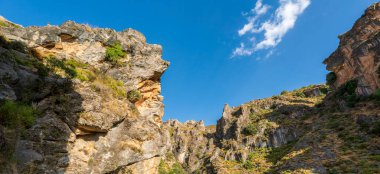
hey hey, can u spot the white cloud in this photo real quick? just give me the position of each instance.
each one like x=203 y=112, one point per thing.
x=242 y=51
x=256 y=12
x=272 y=29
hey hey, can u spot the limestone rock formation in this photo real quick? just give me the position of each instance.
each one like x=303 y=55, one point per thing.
x=95 y=114
x=76 y=99
x=315 y=129
x=357 y=56
x=190 y=143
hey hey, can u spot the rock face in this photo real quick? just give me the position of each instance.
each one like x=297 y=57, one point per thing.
x=234 y=120
x=76 y=99
x=357 y=56
x=261 y=124
x=190 y=143
x=301 y=131
x=86 y=122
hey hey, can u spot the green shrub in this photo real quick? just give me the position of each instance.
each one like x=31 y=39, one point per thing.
x=75 y=64
x=177 y=169
x=18 y=46
x=276 y=154
x=300 y=94
x=10 y=55
x=351 y=100
x=108 y=85
x=114 y=53
x=351 y=86
x=347 y=93
x=3 y=24
x=3 y=41
x=134 y=96
x=162 y=167
x=56 y=63
x=42 y=70
x=376 y=95
x=6 y=24
x=376 y=128
x=284 y=92
x=17 y=115
x=14 y=45
x=254 y=117
x=375 y=157
x=72 y=68
x=85 y=75
x=251 y=129
x=115 y=85
x=324 y=90
x=198 y=171
x=248 y=165
x=330 y=78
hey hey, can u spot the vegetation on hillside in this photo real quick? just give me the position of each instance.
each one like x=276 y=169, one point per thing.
x=347 y=93
x=13 y=45
x=175 y=168
x=17 y=115
x=330 y=78
x=114 y=53
x=134 y=96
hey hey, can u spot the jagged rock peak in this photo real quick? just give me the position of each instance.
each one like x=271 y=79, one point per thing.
x=357 y=56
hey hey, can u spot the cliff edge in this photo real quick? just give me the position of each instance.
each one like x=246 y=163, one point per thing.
x=76 y=99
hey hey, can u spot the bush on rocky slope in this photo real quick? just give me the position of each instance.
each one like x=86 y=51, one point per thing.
x=251 y=129
x=376 y=95
x=17 y=115
x=114 y=53
x=347 y=93
x=330 y=78
x=134 y=96
x=14 y=45
x=175 y=168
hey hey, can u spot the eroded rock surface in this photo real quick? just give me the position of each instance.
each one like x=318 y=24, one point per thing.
x=191 y=143
x=301 y=131
x=357 y=56
x=86 y=121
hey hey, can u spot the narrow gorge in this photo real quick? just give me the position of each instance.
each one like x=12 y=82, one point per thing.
x=82 y=100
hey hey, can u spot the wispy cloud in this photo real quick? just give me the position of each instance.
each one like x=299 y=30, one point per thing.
x=272 y=29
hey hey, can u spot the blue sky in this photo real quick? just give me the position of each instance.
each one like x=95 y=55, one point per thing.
x=199 y=38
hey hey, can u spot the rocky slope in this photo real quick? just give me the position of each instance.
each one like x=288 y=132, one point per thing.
x=190 y=143
x=255 y=127
x=301 y=131
x=77 y=99
x=315 y=129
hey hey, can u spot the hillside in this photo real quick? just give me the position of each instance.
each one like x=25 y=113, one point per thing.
x=315 y=129
x=76 y=99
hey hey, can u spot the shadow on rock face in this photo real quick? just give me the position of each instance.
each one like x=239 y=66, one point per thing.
x=39 y=111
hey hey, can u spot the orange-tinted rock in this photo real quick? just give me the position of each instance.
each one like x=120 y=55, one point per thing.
x=358 y=55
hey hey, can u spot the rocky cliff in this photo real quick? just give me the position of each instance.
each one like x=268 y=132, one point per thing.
x=357 y=56
x=77 y=99
x=191 y=144
x=315 y=129
x=246 y=134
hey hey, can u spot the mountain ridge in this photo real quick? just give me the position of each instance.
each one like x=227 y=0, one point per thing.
x=76 y=99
